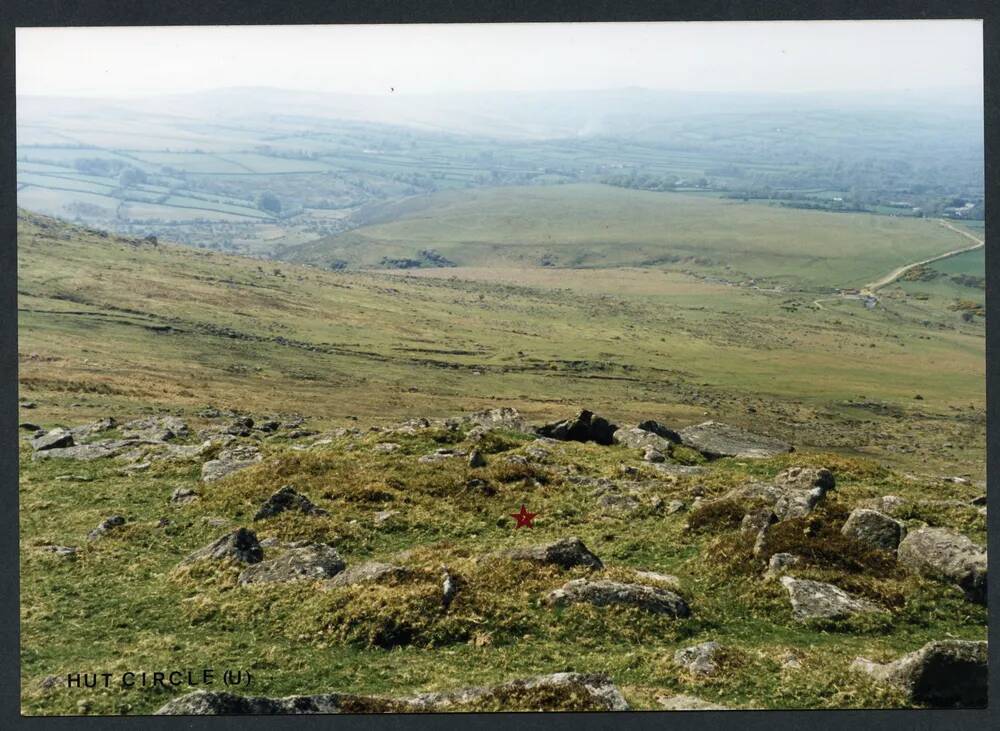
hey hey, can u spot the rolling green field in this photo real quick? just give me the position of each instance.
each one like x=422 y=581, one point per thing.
x=113 y=326
x=602 y=226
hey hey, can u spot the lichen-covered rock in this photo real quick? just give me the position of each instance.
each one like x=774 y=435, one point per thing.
x=944 y=674
x=783 y=501
x=240 y=545
x=637 y=438
x=54 y=439
x=699 y=659
x=566 y=553
x=370 y=572
x=229 y=461
x=287 y=499
x=874 y=529
x=609 y=593
x=302 y=563
x=806 y=478
x=155 y=428
x=556 y=692
x=584 y=427
x=942 y=553
x=714 y=439
x=505 y=417
x=817 y=600
x=183 y=495
x=779 y=563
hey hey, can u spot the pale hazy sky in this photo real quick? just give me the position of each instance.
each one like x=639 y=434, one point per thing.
x=724 y=56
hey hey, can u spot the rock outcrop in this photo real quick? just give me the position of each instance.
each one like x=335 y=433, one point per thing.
x=945 y=554
x=714 y=439
x=584 y=427
x=874 y=529
x=944 y=674
x=566 y=553
x=559 y=691
x=816 y=600
x=609 y=593
x=241 y=545
x=310 y=562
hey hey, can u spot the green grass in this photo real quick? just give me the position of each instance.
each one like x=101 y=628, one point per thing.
x=603 y=226
x=369 y=348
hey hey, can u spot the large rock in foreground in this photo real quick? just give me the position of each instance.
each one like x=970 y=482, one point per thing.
x=608 y=593
x=55 y=439
x=714 y=440
x=557 y=692
x=566 y=553
x=303 y=563
x=874 y=529
x=946 y=674
x=816 y=600
x=941 y=553
x=584 y=427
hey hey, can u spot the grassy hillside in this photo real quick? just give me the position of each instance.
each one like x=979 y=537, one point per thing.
x=109 y=325
x=119 y=327
x=604 y=226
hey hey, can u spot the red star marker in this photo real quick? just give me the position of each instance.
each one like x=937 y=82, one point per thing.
x=523 y=518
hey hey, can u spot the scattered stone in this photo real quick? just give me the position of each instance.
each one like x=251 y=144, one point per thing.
x=504 y=417
x=617 y=502
x=816 y=600
x=943 y=674
x=758 y=520
x=229 y=461
x=74 y=478
x=28 y=426
x=636 y=438
x=105 y=526
x=892 y=505
x=476 y=459
x=301 y=563
x=560 y=691
x=240 y=545
x=301 y=433
x=268 y=426
x=285 y=499
x=675 y=506
x=779 y=563
x=183 y=495
x=699 y=659
x=27 y=404
x=240 y=427
x=101 y=425
x=584 y=427
x=387 y=447
x=653 y=455
x=806 y=478
x=942 y=553
x=874 y=529
x=627 y=470
x=133 y=468
x=155 y=428
x=55 y=439
x=89 y=452
x=566 y=553
x=61 y=551
x=370 y=572
x=607 y=593
x=684 y=702
x=978 y=501
x=785 y=502
x=714 y=440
